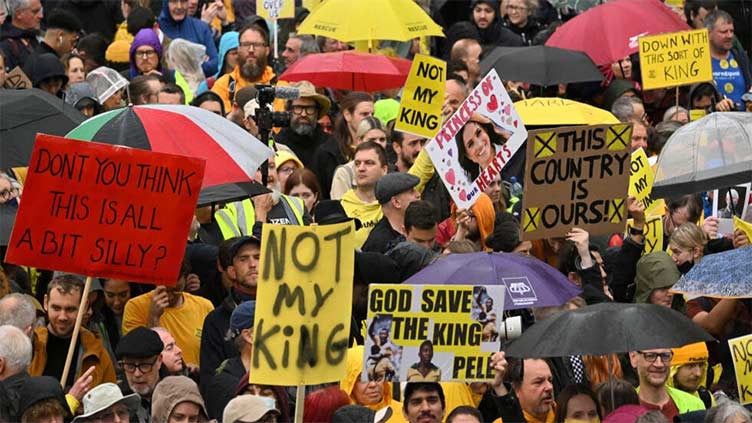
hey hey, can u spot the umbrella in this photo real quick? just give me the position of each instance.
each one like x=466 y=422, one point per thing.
x=350 y=70
x=231 y=153
x=607 y=328
x=23 y=113
x=541 y=65
x=361 y=20
x=706 y=154
x=552 y=111
x=609 y=32
x=7 y=219
x=722 y=275
x=230 y=192
x=578 y=5
x=530 y=282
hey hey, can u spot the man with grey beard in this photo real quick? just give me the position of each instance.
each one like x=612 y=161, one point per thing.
x=305 y=135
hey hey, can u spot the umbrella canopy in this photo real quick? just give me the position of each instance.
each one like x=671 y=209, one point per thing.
x=230 y=192
x=23 y=113
x=722 y=275
x=552 y=111
x=578 y=5
x=231 y=153
x=350 y=70
x=541 y=65
x=607 y=328
x=709 y=153
x=530 y=282
x=7 y=219
x=609 y=32
x=362 y=20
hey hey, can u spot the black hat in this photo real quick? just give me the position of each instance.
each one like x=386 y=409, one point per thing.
x=328 y=212
x=141 y=342
x=394 y=183
x=240 y=242
x=38 y=389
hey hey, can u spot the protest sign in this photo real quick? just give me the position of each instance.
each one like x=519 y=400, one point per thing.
x=106 y=211
x=432 y=333
x=275 y=9
x=477 y=141
x=16 y=79
x=741 y=352
x=746 y=227
x=302 y=322
x=576 y=177
x=641 y=181
x=652 y=232
x=422 y=98
x=678 y=58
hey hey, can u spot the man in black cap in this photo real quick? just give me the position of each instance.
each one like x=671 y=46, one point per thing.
x=394 y=191
x=242 y=269
x=140 y=356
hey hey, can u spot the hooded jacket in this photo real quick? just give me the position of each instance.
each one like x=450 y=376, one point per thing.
x=354 y=368
x=170 y=392
x=690 y=354
x=146 y=37
x=16 y=44
x=654 y=271
x=44 y=66
x=496 y=34
x=193 y=30
x=229 y=41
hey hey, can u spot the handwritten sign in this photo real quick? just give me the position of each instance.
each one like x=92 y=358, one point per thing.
x=275 y=9
x=652 y=232
x=432 y=333
x=576 y=176
x=106 y=211
x=741 y=352
x=302 y=322
x=420 y=108
x=467 y=165
x=641 y=181
x=17 y=79
x=678 y=58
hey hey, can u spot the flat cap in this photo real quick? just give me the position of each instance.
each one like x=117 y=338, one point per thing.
x=395 y=183
x=141 y=342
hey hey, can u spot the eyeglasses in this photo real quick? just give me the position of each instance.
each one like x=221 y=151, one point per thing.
x=7 y=194
x=109 y=416
x=143 y=367
x=145 y=53
x=298 y=110
x=286 y=169
x=650 y=357
x=516 y=8
x=247 y=45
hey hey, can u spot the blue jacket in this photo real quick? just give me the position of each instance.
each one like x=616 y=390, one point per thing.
x=193 y=30
x=228 y=42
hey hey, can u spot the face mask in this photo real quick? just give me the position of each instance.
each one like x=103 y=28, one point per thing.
x=685 y=267
x=593 y=420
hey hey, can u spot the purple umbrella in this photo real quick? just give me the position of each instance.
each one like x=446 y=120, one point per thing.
x=530 y=282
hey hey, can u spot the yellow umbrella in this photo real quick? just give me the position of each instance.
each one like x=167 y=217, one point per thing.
x=367 y=20
x=552 y=111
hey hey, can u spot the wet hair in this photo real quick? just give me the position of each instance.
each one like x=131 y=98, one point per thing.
x=623 y=393
x=714 y=16
x=506 y=234
x=413 y=387
x=461 y=246
x=693 y=6
x=257 y=28
x=371 y=145
x=341 y=130
x=172 y=88
x=139 y=87
x=658 y=137
x=464 y=410
x=693 y=203
x=421 y=214
x=66 y=284
x=95 y=47
x=305 y=177
x=569 y=392
x=209 y=96
x=688 y=236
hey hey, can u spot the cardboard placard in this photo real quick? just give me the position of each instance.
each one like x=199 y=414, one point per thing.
x=422 y=98
x=741 y=353
x=652 y=232
x=106 y=211
x=576 y=177
x=502 y=135
x=303 y=303
x=677 y=58
x=460 y=324
x=275 y=9
x=16 y=79
x=641 y=181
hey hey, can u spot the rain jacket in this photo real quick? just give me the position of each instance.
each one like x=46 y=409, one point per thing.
x=689 y=354
x=496 y=34
x=368 y=213
x=228 y=42
x=91 y=353
x=193 y=30
x=354 y=368
x=684 y=402
x=654 y=271
x=16 y=44
x=170 y=392
x=223 y=85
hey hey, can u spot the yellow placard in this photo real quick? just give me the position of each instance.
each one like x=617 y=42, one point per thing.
x=652 y=232
x=275 y=9
x=420 y=108
x=741 y=352
x=460 y=324
x=696 y=114
x=677 y=58
x=303 y=304
x=744 y=226
x=641 y=179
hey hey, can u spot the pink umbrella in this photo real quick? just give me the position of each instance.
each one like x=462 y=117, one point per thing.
x=350 y=70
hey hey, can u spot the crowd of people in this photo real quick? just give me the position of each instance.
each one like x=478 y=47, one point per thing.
x=182 y=353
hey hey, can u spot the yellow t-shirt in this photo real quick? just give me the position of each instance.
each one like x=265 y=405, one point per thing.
x=184 y=322
x=369 y=215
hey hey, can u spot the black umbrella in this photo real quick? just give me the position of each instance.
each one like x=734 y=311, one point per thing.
x=230 y=192
x=541 y=65
x=607 y=328
x=7 y=219
x=23 y=113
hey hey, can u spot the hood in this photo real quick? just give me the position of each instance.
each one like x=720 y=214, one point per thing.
x=354 y=368
x=616 y=89
x=654 y=271
x=694 y=88
x=490 y=34
x=79 y=91
x=411 y=258
x=145 y=37
x=485 y=214
x=689 y=354
x=40 y=388
x=350 y=198
x=165 y=16
x=229 y=41
x=170 y=392
x=44 y=66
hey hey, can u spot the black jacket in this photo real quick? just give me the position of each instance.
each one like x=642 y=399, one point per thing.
x=744 y=65
x=623 y=265
x=10 y=396
x=214 y=348
x=507 y=407
x=302 y=145
x=325 y=162
x=222 y=387
x=16 y=44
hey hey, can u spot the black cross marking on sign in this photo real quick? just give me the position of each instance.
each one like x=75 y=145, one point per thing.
x=545 y=144
x=618 y=136
x=531 y=219
x=617 y=209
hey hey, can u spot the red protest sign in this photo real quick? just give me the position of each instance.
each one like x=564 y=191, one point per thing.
x=105 y=211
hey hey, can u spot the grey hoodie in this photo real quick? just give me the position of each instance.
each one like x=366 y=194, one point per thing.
x=170 y=392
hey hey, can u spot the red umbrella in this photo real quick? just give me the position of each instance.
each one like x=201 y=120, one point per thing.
x=609 y=32
x=350 y=70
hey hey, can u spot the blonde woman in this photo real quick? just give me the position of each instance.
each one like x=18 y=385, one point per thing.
x=370 y=129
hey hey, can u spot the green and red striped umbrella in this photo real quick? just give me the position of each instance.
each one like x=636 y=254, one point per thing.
x=231 y=153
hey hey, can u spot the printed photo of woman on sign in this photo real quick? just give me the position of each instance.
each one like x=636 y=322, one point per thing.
x=478 y=142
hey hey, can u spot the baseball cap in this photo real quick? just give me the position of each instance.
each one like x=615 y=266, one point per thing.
x=240 y=242
x=248 y=408
x=241 y=318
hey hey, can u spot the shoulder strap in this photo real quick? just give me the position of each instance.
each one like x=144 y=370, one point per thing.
x=231 y=87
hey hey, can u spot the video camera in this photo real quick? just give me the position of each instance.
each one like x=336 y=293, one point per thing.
x=267 y=119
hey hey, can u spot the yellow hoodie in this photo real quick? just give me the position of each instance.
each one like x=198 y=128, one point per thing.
x=369 y=215
x=354 y=368
x=690 y=354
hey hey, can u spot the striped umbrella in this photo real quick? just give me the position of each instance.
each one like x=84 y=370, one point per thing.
x=231 y=153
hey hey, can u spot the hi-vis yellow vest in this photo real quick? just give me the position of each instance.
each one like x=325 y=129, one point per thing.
x=237 y=218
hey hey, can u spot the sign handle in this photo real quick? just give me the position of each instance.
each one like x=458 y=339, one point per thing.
x=76 y=329
x=299 y=401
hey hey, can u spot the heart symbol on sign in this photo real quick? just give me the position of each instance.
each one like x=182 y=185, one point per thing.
x=515 y=123
x=507 y=109
x=492 y=104
x=449 y=176
x=450 y=152
x=463 y=195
